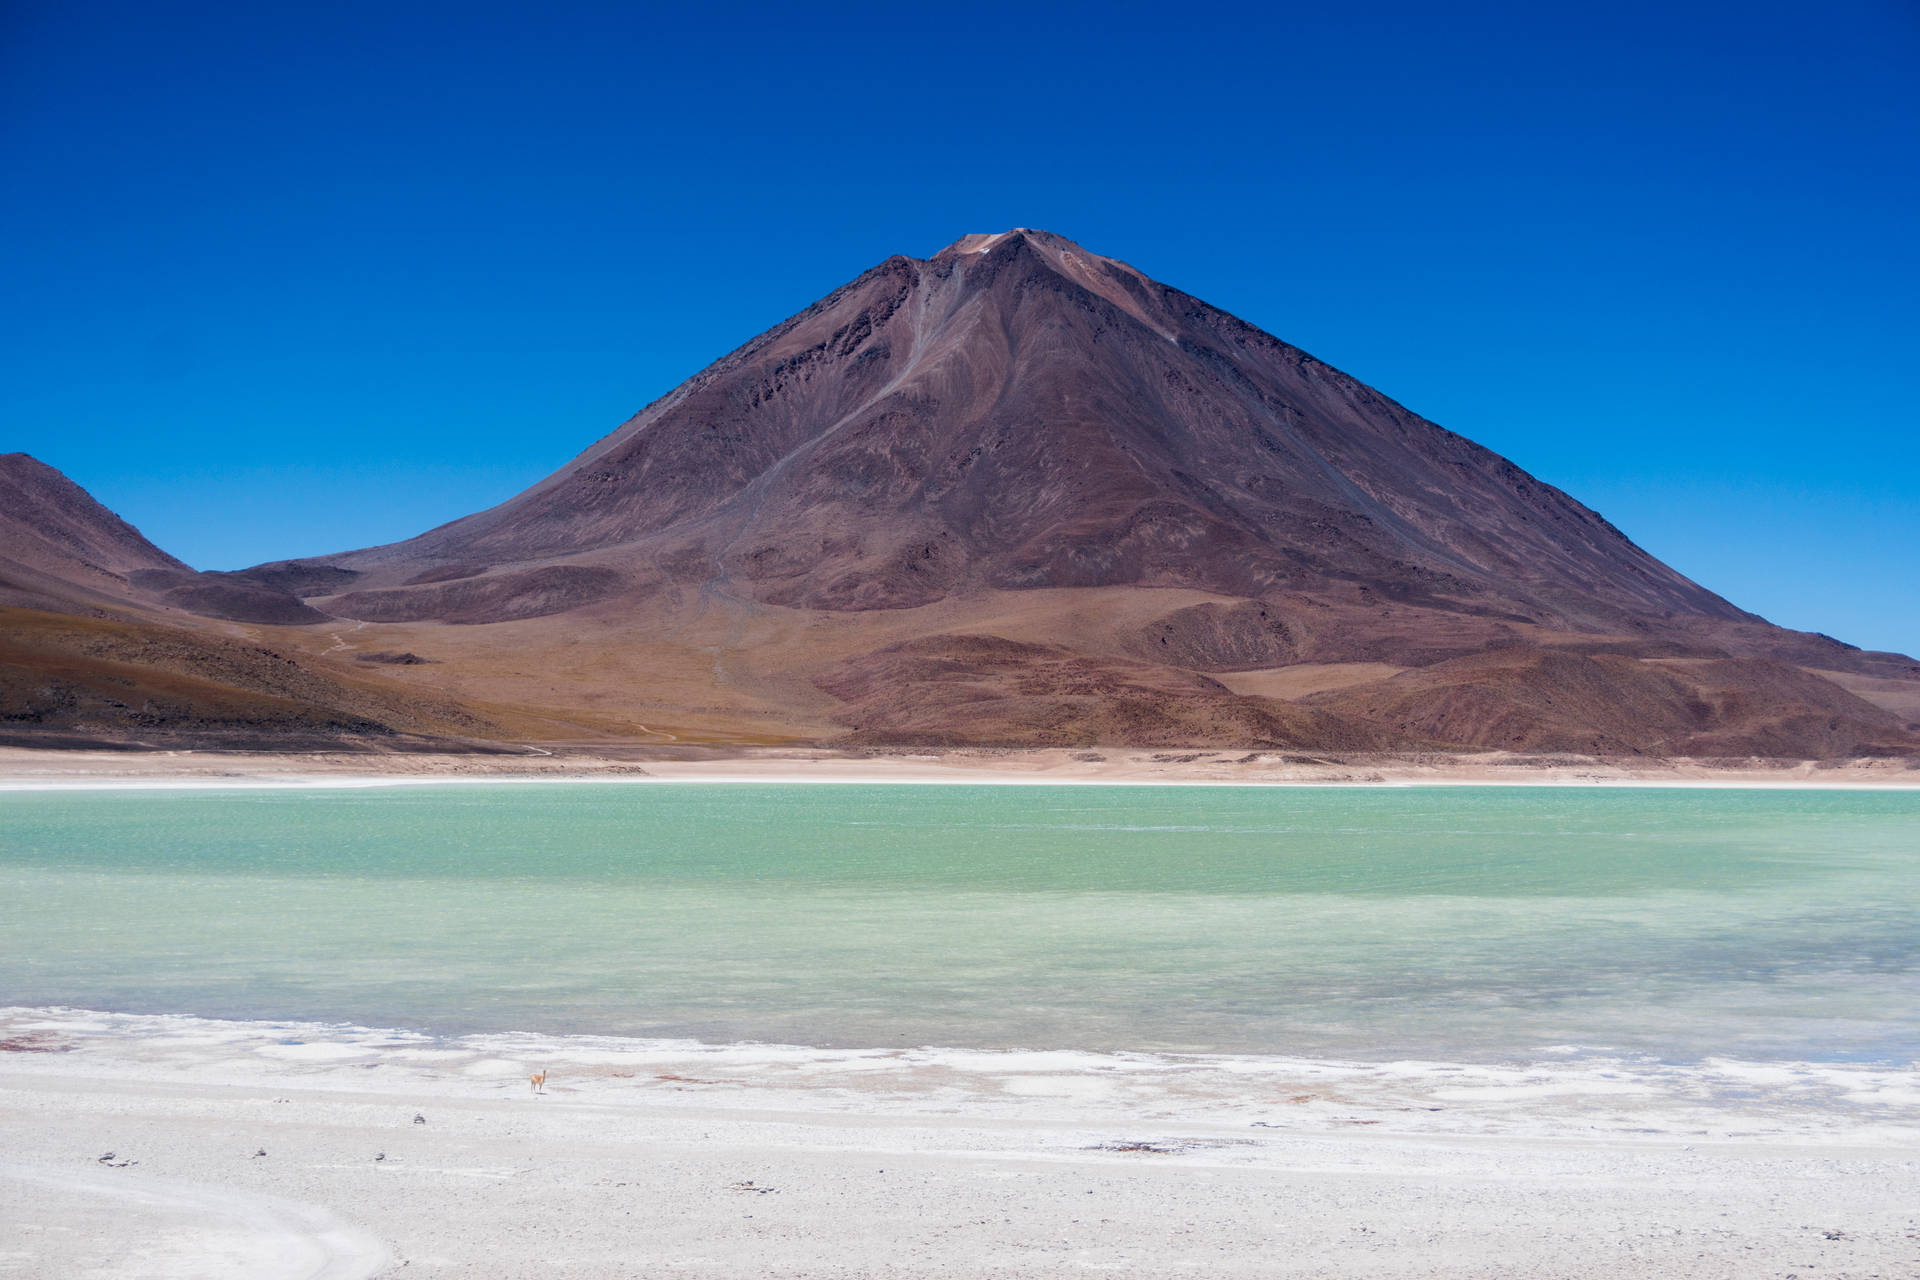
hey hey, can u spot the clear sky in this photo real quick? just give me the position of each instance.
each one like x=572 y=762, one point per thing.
x=284 y=279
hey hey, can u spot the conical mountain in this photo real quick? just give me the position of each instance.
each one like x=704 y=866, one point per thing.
x=1016 y=412
x=1018 y=493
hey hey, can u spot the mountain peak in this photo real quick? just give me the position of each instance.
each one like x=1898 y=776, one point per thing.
x=1113 y=280
x=979 y=241
x=987 y=242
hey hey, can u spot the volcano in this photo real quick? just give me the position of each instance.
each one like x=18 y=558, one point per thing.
x=1018 y=413
x=1018 y=493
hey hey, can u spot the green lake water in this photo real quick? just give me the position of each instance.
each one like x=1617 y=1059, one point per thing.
x=1461 y=924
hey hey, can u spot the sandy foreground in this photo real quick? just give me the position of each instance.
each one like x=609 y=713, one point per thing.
x=160 y=1146
x=25 y=768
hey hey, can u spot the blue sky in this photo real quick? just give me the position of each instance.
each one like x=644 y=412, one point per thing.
x=290 y=279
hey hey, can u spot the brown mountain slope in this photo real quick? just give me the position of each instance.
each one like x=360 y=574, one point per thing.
x=1017 y=493
x=60 y=547
x=1016 y=412
x=1017 y=417
x=986 y=691
x=98 y=643
x=83 y=679
x=1611 y=704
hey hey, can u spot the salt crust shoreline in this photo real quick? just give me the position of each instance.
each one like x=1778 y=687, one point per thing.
x=674 y=1158
x=23 y=769
x=282 y=1149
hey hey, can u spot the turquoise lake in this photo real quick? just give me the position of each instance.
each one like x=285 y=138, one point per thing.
x=1462 y=924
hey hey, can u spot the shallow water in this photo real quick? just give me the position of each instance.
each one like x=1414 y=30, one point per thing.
x=1464 y=924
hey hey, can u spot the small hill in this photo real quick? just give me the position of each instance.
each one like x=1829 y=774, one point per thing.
x=59 y=546
x=100 y=643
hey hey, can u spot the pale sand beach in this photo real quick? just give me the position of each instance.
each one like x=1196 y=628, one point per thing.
x=164 y=1146
x=29 y=768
